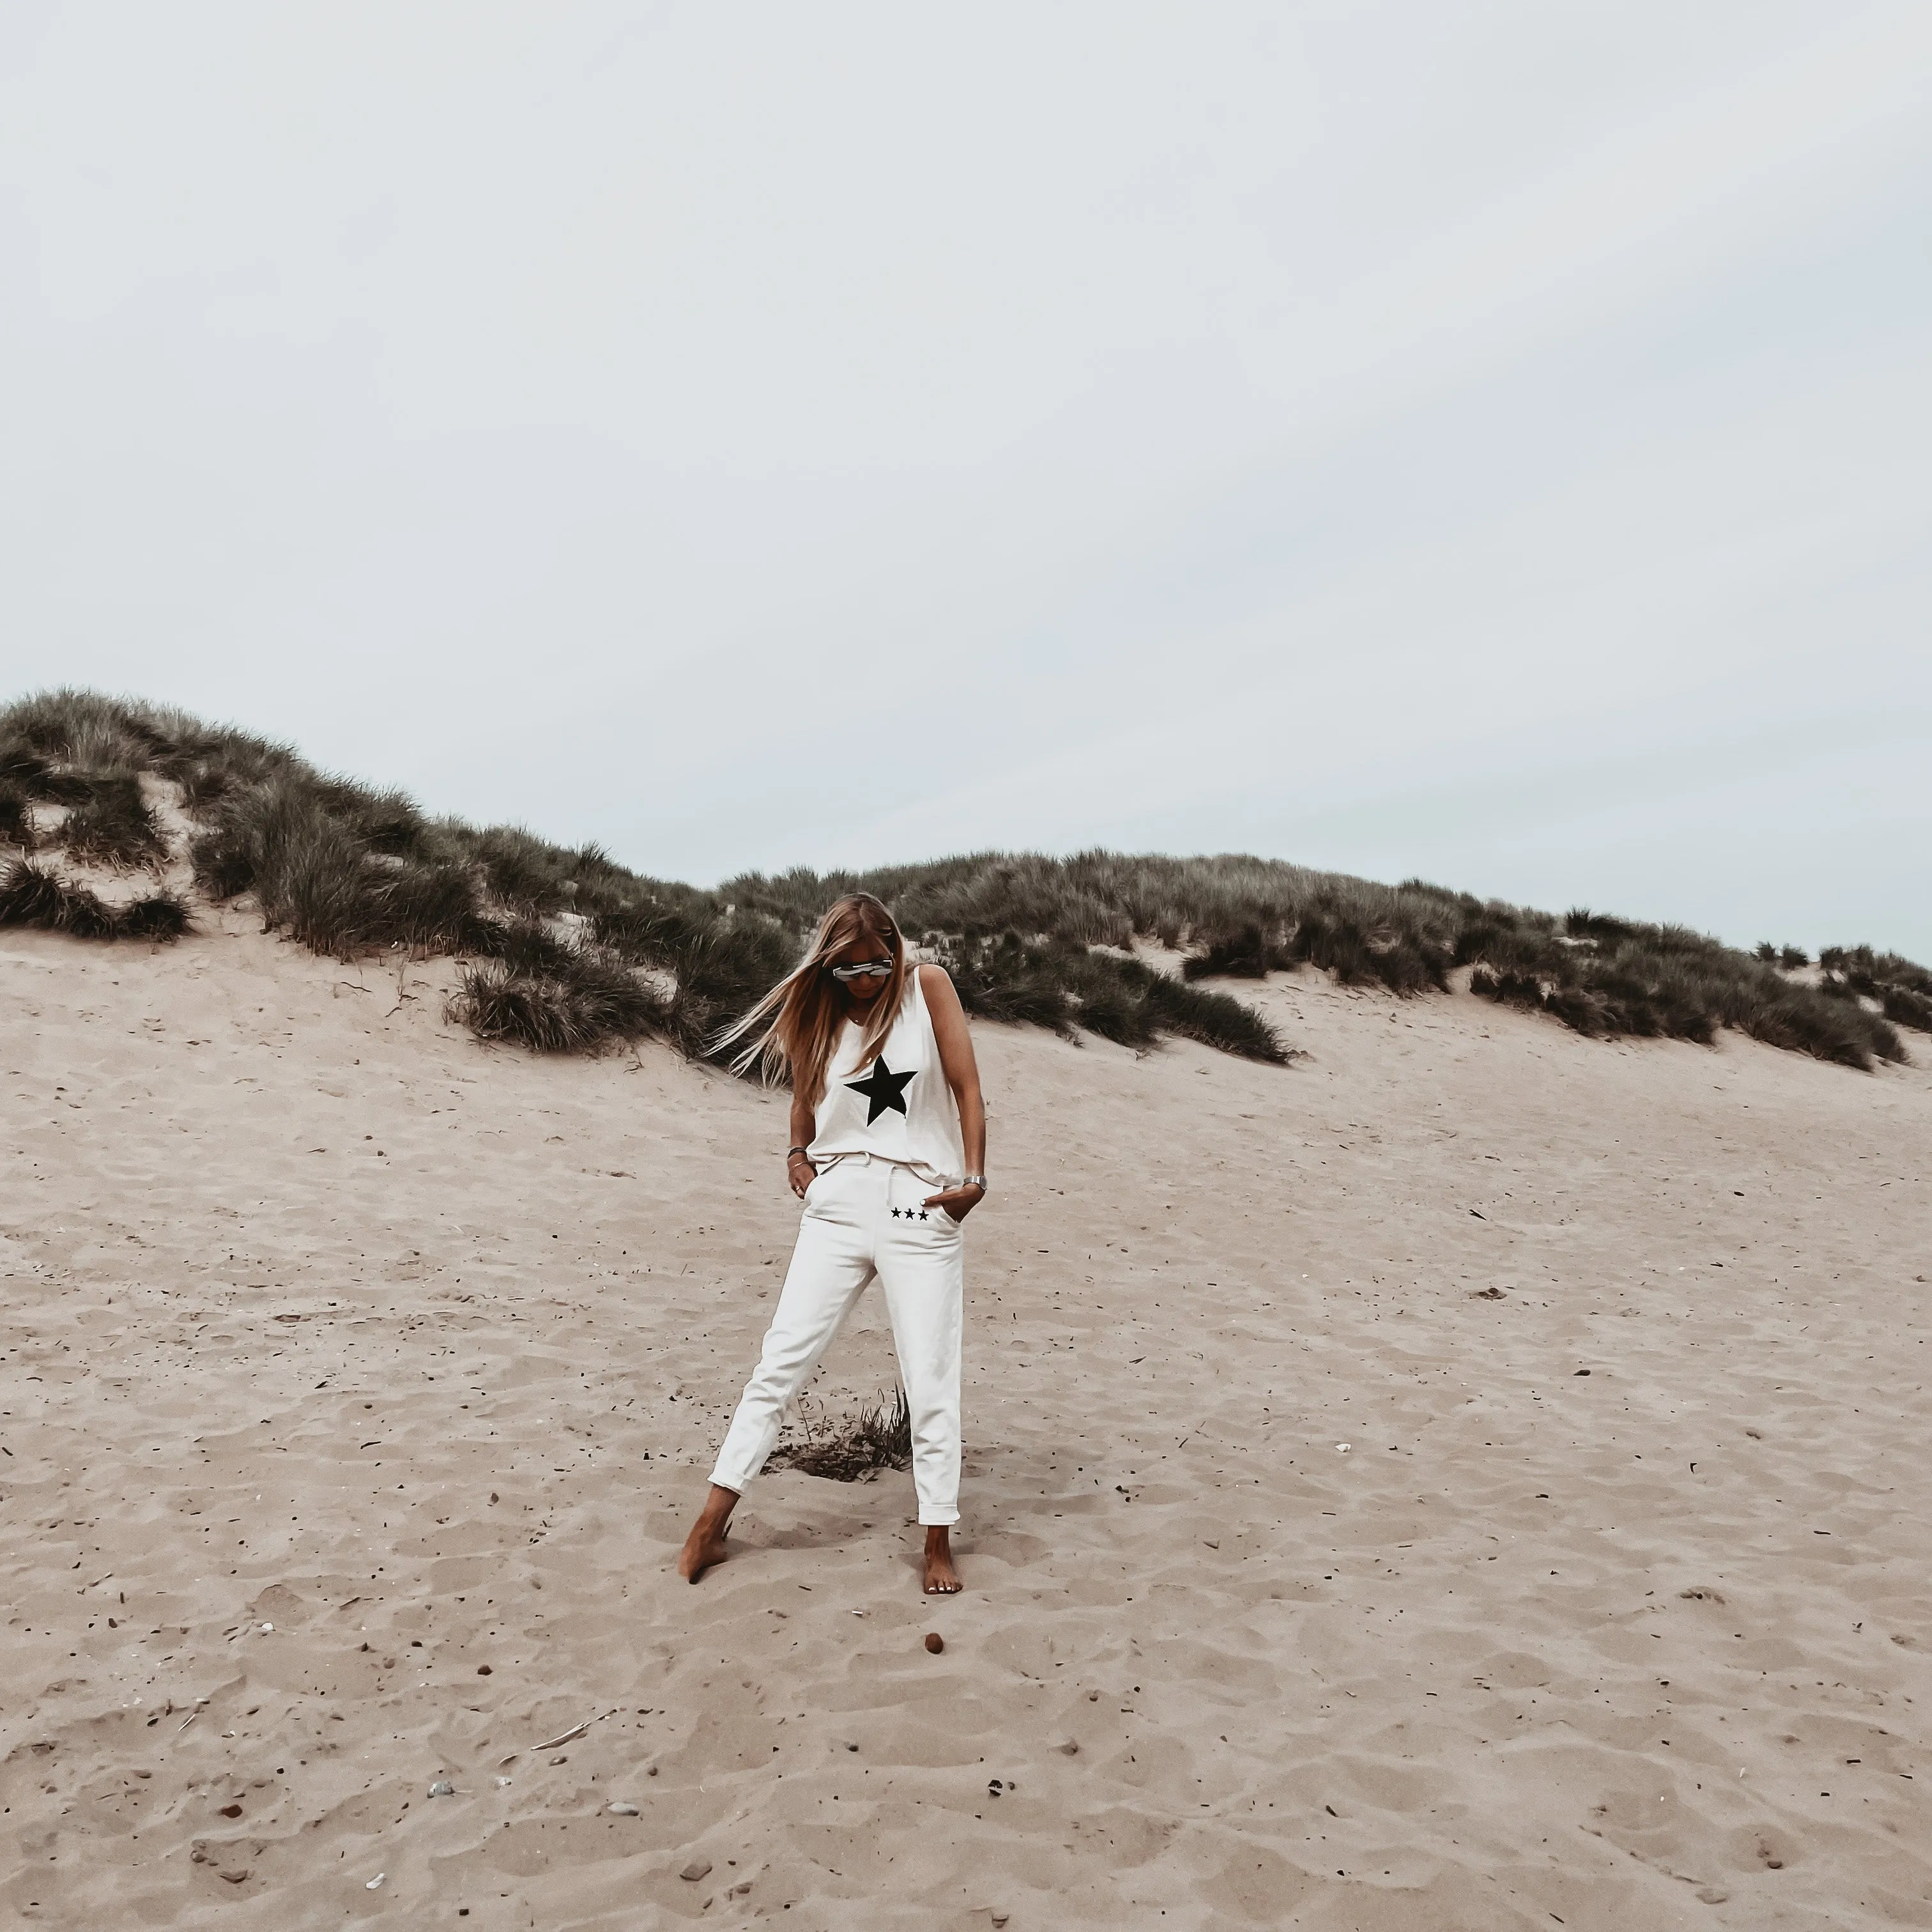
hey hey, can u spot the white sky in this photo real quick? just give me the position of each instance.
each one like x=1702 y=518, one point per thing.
x=1487 y=441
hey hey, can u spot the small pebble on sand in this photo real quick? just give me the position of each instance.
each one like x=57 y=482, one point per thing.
x=442 y=1788
x=695 y=1870
x=625 y=1810
x=934 y=1641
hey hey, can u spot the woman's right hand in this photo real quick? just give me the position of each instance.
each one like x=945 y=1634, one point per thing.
x=800 y=1173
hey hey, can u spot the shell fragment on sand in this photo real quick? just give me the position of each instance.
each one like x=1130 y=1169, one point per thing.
x=564 y=1737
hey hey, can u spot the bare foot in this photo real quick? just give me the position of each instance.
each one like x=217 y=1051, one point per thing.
x=705 y=1545
x=941 y=1579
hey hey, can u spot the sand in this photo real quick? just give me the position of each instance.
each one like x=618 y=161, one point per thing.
x=1473 y=1478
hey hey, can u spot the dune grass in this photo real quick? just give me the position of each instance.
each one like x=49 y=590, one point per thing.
x=856 y=1449
x=32 y=895
x=337 y=872
x=107 y=820
x=113 y=825
x=1903 y=990
x=568 y=950
x=16 y=816
x=556 y=999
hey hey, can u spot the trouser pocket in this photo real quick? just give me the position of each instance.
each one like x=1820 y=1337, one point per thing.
x=824 y=1184
x=906 y=1196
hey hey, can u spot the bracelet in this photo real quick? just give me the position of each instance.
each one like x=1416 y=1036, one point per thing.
x=791 y=1151
x=978 y=1181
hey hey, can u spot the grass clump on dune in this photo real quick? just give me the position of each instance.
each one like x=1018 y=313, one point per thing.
x=1903 y=990
x=113 y=826
x=16 y=816
x=31 y=896
x=575 y=1002
x=879 y=1438
x=1054 y=983
x=107 y=821
x=340 y=873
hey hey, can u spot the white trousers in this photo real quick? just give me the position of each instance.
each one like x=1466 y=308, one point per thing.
x=864 y=1217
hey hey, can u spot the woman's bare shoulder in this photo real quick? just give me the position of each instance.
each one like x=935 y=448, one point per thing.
x=936 y=980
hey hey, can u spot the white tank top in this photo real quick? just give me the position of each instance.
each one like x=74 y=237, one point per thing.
x=899 y=1108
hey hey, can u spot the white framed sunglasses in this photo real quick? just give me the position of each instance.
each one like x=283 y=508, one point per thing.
x=873 y=969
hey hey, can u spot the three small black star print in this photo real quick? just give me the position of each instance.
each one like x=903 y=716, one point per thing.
x=910 y=1214
x=884 y=1090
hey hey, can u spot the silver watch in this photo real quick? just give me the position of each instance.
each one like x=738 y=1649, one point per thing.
x=978 y=1181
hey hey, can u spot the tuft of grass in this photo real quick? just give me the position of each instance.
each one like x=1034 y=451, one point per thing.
x=320 y=869
x=570 y=1002
x=1214 y=1019
x=16 y=818
x=112 y=826
x=529 y=876
x=1249 y=953
x=1580 y=922
x=35 y=777
x=879 y=1437
x=527 y=945
x=1072 y=988
x=1902 y=989
x=161 y=918
x=32 y=896
x=721 y=959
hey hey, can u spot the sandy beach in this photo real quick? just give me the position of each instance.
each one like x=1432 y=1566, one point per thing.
x=1473 y=1477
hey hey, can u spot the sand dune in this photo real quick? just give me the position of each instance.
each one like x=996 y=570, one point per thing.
x=1472 y=1478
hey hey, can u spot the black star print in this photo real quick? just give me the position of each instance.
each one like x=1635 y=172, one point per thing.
x=884 y=1090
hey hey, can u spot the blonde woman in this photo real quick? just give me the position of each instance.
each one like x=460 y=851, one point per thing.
x=888 y=1153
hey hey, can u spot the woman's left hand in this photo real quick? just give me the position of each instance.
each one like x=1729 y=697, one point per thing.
x=958 y=1202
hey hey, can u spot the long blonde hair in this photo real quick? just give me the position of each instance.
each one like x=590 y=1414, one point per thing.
x=801 y=1015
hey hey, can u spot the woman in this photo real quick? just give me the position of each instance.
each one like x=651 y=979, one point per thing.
x=888 y=1153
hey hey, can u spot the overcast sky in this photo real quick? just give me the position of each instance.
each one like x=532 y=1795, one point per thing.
x=1492 y=441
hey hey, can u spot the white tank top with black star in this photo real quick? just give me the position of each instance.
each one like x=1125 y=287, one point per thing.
x=897 y=1107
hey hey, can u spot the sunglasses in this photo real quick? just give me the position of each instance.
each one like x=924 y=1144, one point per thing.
x=876 y=969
